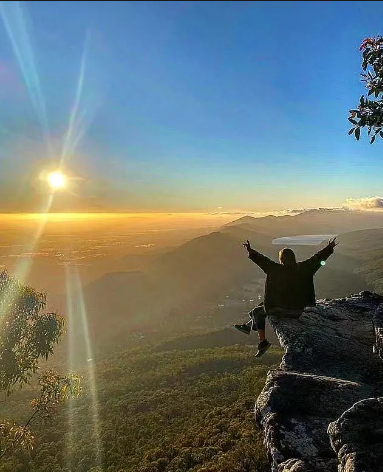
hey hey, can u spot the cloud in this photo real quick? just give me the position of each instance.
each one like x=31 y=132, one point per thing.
x=234 y=213
x=286 y=212
x=365 y=203
x=293 y=211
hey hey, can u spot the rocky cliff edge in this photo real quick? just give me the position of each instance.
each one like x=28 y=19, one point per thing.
x=322 y=409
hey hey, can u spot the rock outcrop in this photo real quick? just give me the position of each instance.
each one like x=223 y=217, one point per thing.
x=321 y=410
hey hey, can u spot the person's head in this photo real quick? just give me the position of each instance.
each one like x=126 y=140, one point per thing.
x=287 y=256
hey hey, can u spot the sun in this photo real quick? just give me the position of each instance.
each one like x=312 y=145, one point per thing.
x=56 y=180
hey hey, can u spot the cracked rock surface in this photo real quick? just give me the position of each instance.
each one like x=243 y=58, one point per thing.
x=321 y=410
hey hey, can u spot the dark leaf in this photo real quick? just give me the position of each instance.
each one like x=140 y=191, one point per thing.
x=372 y=140
x=354 y=122
x=357 y=133
x=351 y=131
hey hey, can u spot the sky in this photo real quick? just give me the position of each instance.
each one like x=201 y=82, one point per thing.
x=184 y=106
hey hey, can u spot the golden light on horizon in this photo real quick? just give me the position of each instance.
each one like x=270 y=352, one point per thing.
x=56 y=180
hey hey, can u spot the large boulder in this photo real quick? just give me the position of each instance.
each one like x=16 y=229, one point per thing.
x=357 y=437
x=331 y=363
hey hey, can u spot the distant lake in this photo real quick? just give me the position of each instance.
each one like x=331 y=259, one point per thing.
x=304 y=240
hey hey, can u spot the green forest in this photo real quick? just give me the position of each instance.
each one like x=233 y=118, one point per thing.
x=157 y=410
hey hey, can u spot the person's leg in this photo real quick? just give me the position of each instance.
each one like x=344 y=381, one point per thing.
x=260 y=319
x=253 y=319
x=250 y=325
x=245 y=327
x=264 y=344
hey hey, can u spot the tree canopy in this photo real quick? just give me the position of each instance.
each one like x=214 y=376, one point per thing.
x=27 y=335
x=369 y=112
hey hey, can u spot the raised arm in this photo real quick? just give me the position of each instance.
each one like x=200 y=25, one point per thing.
x=316 y=261
x=261 y=260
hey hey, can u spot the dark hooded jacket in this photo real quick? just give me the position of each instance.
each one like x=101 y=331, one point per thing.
x=290 y=286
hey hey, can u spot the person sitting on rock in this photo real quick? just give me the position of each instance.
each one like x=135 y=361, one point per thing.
x=289 y=288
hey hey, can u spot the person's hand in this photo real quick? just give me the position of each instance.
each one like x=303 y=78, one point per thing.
x=332 y=242
x=247 y=245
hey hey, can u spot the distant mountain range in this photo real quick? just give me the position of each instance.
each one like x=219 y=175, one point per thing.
x=315 y=221
x=199 y=272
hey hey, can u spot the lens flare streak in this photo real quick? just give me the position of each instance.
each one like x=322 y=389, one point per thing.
x=78 y=329
x=15 y=22
x=71 y=346
x=24 y=265
x=80 y=115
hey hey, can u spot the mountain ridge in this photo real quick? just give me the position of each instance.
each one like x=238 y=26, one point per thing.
x=185 y=280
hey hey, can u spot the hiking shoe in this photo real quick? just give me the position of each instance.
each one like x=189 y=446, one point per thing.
x=243 y=328
x=262 y=348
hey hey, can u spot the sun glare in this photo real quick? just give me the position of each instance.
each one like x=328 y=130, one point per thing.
x=56 y=180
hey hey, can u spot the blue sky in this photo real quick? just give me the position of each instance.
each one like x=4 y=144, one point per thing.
x=187 y=106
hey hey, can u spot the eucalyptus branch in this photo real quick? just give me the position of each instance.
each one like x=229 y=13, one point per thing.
x=369 y=113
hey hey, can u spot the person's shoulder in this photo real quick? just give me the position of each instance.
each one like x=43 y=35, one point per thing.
x=279 y=266
x=302 y=265
x=273 y=266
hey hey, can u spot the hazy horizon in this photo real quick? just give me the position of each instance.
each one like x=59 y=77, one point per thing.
x=368 y=204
